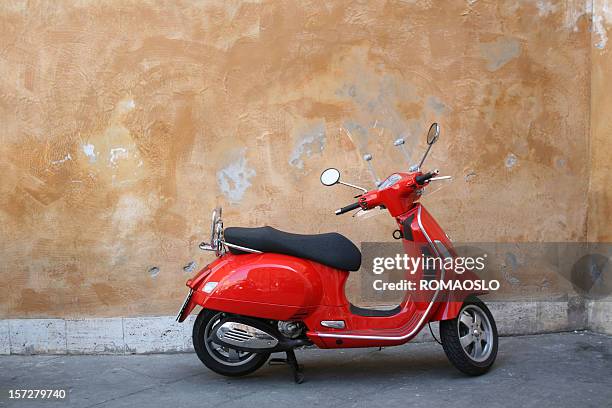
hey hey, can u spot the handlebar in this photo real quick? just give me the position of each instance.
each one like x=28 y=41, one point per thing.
x=373 y=201
x=424 y=177
x=348 y=208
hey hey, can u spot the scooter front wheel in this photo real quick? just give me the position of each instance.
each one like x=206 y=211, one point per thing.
x=470 y=340
x=222 y=360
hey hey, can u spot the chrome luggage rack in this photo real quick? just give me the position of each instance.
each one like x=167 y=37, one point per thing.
x=217 y=241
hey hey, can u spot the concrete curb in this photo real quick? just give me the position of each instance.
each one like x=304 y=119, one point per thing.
x=162 y=334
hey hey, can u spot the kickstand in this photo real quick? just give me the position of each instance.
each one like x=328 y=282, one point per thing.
x=298 y=375
x=291 y=361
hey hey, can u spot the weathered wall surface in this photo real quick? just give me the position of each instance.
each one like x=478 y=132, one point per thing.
x=600 y=152
x=124 y=123
x=600 y=190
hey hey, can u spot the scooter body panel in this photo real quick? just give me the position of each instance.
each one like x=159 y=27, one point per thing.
x=270 y=286
x=448 y=303
x=421 y=234
x=281 y=287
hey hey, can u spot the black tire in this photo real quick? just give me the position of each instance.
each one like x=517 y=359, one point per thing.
x=214 y=359
x=466 y=359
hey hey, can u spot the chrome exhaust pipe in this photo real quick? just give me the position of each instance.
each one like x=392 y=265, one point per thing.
x=235 y=334
x=255 y=336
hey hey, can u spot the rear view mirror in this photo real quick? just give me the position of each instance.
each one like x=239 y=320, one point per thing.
x=330 y=177
x=433 y=134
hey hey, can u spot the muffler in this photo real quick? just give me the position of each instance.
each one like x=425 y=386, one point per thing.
x=242 y=335
x=252 y=335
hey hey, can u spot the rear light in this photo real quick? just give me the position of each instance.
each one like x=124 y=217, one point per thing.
x=209 y=287
x=200 y=276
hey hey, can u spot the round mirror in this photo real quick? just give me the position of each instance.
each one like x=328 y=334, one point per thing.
x=433 y=134
x=330 y=177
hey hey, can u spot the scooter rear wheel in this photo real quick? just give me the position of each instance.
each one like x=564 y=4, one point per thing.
x=470 y=340
x=222 y=360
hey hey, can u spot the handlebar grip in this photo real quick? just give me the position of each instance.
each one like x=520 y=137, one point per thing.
x=348 y=208
x=424 y=177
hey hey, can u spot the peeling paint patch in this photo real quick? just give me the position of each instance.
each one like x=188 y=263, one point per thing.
x=602 y=16
x=560 y=162
x=377 y=98
x=154 y=271
x=116 y=154
x=600 y=30
x=233 y=180
x=357 y=134
x=312 y=141
x=190 y=267
x=435 y=104
x=512 y=263
x=499 y=52
x=125 y=106
x=574 y=11
x=546 y=7
x=511 y=160
x=60 y=161
x=89 y=151
x=128 y=212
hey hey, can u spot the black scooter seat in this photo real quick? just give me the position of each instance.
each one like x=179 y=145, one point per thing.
x=331 y=249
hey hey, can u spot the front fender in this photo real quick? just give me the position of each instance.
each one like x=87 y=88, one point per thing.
x=452 y=301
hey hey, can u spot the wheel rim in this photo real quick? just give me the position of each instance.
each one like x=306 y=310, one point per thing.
x=224 y=355
x=475 y=333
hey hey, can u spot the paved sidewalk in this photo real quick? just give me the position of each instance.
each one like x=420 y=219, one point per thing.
x=552 y=370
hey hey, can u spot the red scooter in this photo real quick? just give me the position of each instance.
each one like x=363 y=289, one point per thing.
x=271 y=291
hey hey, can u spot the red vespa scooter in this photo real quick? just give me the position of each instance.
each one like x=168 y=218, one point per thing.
x=272 y=291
